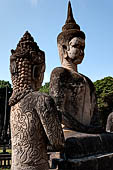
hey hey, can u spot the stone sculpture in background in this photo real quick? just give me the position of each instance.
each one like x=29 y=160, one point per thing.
x=34 y=118
x=109 y=125
x=73 y=92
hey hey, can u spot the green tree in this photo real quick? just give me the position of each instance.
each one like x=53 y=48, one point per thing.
x=104 y=92
x=45 y=88
x=5 y=87
x=3 y=84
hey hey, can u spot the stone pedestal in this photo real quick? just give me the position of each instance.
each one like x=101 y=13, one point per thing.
x=86 y=152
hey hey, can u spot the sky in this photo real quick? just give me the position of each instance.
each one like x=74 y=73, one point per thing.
x=44 y=20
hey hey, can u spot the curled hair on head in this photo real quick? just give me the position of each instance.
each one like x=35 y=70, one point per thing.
x=26 y=65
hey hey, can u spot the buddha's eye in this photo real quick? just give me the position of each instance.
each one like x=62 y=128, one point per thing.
x=76 y=45
x=64 y=47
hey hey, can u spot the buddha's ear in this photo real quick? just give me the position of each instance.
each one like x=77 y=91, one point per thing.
x=13 y=67
x=35 y=72
x=65 y=55
x=38 y=70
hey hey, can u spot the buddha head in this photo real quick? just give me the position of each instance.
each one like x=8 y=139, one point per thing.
x=27 y=66
x=71 y=41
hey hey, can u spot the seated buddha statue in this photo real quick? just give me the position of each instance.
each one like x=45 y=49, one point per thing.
x=73 y=92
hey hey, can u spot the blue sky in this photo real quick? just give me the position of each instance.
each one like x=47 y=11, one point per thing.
x=44 y=20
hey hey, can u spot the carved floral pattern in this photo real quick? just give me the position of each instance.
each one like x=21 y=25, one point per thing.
x=34 y=124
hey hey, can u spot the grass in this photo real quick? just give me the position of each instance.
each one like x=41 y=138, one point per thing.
x=4 y=169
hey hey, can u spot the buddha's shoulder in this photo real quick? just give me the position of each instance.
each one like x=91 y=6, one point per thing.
x=43 y=101
x=36 y=96
x=60 y=73
x=65 y=76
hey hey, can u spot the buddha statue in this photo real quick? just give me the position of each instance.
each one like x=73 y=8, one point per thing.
x=73 y=92
x=34 y=118
x=109 y=124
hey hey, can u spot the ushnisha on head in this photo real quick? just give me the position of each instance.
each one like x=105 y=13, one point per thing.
x=71 y=41
x=27 y=66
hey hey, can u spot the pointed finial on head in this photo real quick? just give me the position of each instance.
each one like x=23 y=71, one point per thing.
x=27 y=36
x=70 y=18
x=70 y=21
x=70 y=29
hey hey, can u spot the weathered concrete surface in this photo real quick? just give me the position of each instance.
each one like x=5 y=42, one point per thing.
x=99 y=162
x=86 y=152
x=81 y=145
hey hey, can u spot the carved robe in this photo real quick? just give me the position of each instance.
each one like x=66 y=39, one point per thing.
x=74 y=95
x=34 y=125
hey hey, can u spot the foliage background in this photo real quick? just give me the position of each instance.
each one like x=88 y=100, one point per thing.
x=3 y=85
x=104 y=92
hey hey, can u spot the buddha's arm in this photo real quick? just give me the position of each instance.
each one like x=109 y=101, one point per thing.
x=47 y=112
x=75 y=125
x=95 y=121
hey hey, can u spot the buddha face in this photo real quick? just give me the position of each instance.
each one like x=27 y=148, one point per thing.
x=75 y=51
x=72 y=51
